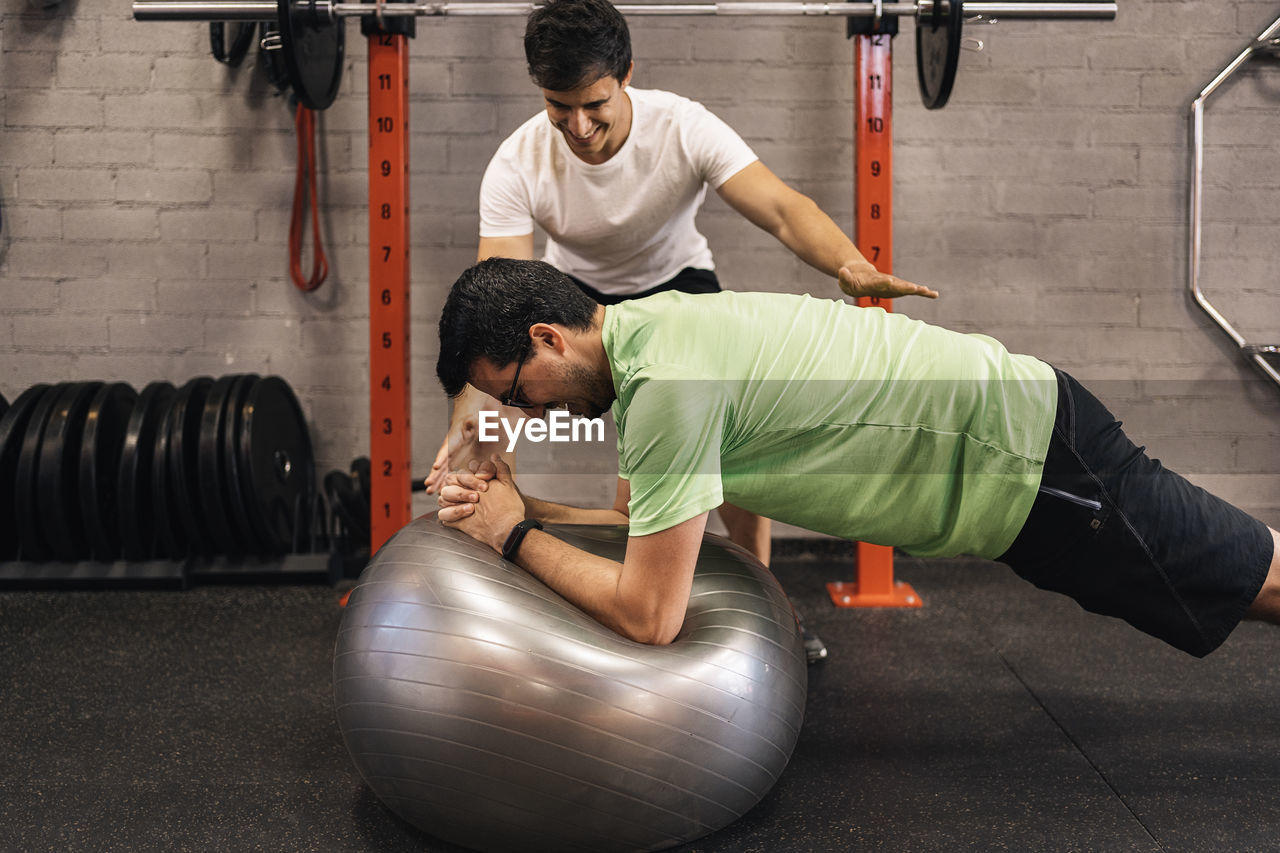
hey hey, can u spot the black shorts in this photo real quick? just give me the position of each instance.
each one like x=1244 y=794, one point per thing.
x=688 y=280
x=1164 y=555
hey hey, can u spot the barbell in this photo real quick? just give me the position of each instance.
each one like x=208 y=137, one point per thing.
x=312 y=40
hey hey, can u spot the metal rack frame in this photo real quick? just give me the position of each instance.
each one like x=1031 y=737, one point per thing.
x=1267 y=44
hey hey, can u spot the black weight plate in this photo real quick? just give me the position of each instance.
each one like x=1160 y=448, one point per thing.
x=362 y=483
x=13 y=428
x=232 y=468
x=361 y=475
x=31 y=542
x=58 y=473
x=210 y=469
x=100 y=448
x=184 y=462
x=171 y=538
x=357 y=499
x=135 y=510
x=312 y=48
x=4 y=405
x=275 y=449
x=938 y=51
x=342 y=496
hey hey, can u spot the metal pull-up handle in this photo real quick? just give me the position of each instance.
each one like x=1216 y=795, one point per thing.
x=1265 y=43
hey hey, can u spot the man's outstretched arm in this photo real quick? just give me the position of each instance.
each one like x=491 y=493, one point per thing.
x=800 y=225
x=643 y=598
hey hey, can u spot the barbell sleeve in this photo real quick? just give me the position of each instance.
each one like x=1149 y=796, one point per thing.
x=1043 y=11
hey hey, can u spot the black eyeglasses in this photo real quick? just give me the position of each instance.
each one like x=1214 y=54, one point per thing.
x=511 y=399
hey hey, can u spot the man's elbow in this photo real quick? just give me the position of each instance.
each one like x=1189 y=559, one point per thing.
x=654 y=629
x=652 y=635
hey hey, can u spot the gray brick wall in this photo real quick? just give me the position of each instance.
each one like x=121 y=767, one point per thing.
x=146 y=193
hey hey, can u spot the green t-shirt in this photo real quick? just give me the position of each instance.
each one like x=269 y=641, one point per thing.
x=844 y=420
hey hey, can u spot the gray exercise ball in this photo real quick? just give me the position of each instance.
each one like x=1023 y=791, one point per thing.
x=485 y=709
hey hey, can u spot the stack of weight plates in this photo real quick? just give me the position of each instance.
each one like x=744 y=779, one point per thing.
x=347 y=494
x=100 y=471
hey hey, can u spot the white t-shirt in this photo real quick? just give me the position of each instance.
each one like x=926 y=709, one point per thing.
x=627 y=224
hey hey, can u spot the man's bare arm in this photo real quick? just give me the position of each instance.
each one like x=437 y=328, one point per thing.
x=519 y=248
x=800 y=225
x=643 y=598
x=472 y=401
x=554 y=513
x=461 y=443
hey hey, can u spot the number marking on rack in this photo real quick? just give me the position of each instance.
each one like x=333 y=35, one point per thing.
x=389 y=391
x=873 y=232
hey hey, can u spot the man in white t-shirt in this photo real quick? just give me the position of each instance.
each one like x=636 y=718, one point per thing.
x=614 y=176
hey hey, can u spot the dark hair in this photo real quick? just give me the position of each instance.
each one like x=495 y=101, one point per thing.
x=490 y=309
x=573 y=43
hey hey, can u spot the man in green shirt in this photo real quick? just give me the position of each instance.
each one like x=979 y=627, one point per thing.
x=844 y=420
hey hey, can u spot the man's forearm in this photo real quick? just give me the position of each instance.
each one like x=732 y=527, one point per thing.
x=643 y=598
x=817 y=240
x=589 y=581
x=554 y=513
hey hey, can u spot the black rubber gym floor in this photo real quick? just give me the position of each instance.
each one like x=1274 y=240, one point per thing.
x=997 y=717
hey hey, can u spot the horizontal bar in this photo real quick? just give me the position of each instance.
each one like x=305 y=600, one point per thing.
x=205 y=10
x=263 y=10
x=1043 y=11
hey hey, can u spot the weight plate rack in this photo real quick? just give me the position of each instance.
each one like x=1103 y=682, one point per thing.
x=210 y=481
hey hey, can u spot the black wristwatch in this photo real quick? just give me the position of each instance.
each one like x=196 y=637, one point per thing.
x=516 y=536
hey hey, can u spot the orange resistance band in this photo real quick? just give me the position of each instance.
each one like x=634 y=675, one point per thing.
x=303 y=186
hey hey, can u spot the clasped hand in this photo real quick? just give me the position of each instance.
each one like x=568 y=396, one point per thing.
x=483 y=502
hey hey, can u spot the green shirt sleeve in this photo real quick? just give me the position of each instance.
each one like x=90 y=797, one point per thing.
x=669 y=442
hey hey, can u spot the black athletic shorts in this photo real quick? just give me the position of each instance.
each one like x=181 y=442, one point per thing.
x=1124 y=536
x=688 y=280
